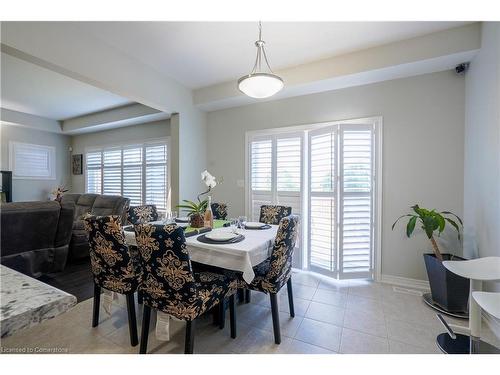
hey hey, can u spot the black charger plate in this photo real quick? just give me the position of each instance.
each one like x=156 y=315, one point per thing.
x=267 y=226
x=204 y=239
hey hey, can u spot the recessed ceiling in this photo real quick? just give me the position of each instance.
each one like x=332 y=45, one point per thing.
x=29 y=88
x=199 y=54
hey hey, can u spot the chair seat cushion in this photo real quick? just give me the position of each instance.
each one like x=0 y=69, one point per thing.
x=214 y=287
x=260 y=282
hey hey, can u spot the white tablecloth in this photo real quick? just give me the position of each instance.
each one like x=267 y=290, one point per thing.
x=241 y=256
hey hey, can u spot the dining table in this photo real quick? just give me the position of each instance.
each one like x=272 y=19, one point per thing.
x=240 y=256
x=235 y=256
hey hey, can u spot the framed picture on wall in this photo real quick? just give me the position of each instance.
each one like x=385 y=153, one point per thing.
x=77 y=164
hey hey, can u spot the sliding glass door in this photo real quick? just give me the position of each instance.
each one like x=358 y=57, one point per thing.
x=334 y=193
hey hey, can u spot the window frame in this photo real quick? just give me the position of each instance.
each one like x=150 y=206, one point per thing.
x=125 y=145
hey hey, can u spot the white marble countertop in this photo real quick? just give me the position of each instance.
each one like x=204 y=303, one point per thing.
x=25 y=302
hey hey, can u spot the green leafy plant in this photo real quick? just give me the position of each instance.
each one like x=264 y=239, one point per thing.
x=432 y=222
x=192 y=207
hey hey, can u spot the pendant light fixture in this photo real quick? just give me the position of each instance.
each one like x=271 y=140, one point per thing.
x=260 y=84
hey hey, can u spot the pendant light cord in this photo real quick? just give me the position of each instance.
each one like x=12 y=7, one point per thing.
x=260 y=51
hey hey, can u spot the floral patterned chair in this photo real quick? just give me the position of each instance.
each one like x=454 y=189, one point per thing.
x=276 y=271
x=114 y=266
x=219 y=210
x=170 y=285
x=271 y=214
x=142 y=214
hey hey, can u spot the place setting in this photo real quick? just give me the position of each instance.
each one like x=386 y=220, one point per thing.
x=224 y=235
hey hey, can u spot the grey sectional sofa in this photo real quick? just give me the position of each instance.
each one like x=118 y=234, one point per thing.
x=35 y=236
x=94 y=204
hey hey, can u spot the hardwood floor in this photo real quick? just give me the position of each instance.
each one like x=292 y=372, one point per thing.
x=76 y=279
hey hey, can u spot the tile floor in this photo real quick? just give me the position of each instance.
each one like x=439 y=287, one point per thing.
x=330 y=317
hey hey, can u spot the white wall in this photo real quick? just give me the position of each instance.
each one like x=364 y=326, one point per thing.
x=33 y=190
x=423 y=135
x=147 y=131
x=482 y=147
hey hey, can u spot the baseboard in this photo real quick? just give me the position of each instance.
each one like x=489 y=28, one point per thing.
x=405 y=282
x=492 y=323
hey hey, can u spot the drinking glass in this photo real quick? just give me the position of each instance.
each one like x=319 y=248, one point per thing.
x=173 y=216
x=242 y=221
x=234 y=224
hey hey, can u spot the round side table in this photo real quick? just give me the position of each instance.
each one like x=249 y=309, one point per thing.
x=469 y=342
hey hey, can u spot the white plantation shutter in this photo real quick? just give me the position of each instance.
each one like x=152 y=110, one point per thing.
x=112 y=172
x=322 y=200
x=32 y=161
x=356 y=196
x=289 y=172
x=137 y=172
x=276 y=172
x=341 y=200
x=261 y=172
x=132 y=174
x=156 y=176
x=94 y=172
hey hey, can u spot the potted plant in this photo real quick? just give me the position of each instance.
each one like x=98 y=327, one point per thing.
x=449 y=291
x=196 y=210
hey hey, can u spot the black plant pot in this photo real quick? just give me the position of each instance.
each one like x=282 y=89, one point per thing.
x=449 y=291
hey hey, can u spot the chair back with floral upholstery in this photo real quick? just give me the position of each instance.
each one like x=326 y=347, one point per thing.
x=271 y=214
x=281 y=256
x=168 y=282
x=113 y=266
x=142 y=214
x=219 y=210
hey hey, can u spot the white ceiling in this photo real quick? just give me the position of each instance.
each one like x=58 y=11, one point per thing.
x=199 y=54
x=38 y=91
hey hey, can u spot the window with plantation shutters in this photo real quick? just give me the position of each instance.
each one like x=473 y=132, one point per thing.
x=138 y=172
x=276 y=172
x=335 y=193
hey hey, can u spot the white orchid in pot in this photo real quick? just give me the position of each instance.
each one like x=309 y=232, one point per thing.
x=195 y=210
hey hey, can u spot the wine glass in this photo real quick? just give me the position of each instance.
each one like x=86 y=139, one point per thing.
x=173 y=216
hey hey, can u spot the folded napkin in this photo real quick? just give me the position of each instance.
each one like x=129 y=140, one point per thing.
x=204 y=230
x=107 y=299
x=195 y=232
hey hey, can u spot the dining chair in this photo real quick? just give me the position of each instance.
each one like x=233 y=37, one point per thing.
x=219 y=210
x=170 y=285
x=114 y=267
x=142 y=214
x=272 y=214
x=276 y=271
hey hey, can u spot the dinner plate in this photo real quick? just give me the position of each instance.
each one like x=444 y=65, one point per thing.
x=183 y=225
x=254 y=224
x=221 y=236
x=183 y=219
